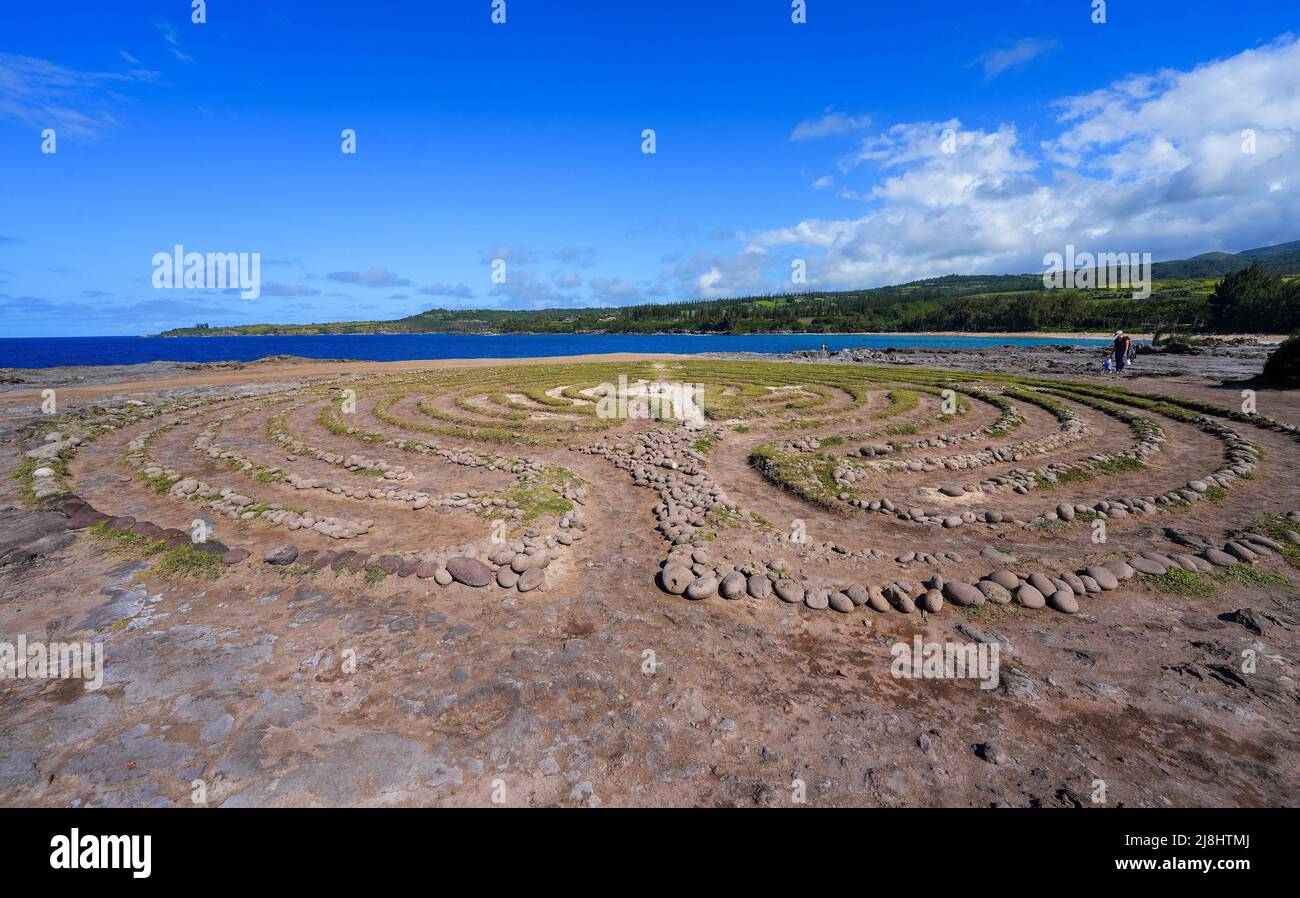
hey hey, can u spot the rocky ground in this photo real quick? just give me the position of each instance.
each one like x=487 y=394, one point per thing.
x=1227 y=359
x=471 y=590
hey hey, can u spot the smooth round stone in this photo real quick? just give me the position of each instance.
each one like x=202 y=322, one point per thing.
x=1265 y=541
x=674 y=579
x=80 y=520
x=759 y=586
x=1147 y=566
x=531 y=579
x=521 y=563
x=390 y=564
x=932 y=601
x=817 y=599
x=857 y=594
x=876 y=599
x=1218 y=557
x=285 y=554
x=962 y=594
x=900 y=600
x=732 y=585
x=840 y=602
x=1075 y=584
x=442 y=576
x=1028 y=597
x=789 y=591
x=234 y=556
x=1160 y=559
x=1090 y=585
x=1240 y=551
x=1063 y=600
x=1004 y=578
x=993 y=592
x=1041 y=583
x=1065 y=512
x=1105 y=579
x=506 y=578
x=1120 y=568
x=469 y=571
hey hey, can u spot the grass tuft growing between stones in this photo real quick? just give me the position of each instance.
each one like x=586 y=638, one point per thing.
x=25 y=473
x=539 y=498
x=1279 y=528
x=1244 y=573
x=705 y=443
x=991 y=612
x=1180 y=582
x=173 y=561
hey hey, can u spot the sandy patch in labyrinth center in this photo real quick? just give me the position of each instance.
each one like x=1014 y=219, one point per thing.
x=398 y=583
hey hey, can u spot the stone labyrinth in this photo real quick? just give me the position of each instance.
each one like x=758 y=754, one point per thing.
x=828 y=486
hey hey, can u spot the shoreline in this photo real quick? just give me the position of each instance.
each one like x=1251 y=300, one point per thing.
x=206 y=374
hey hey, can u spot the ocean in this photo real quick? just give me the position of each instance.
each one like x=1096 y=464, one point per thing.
x=48 y=352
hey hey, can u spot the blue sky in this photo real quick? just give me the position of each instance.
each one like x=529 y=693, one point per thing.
x=776 y=141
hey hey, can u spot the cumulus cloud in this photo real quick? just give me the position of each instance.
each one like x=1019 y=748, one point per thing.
x=458 y=291
x=271 y=288
x=583 y=257
x=619 y=292
x=711 y=275
x=371 y=277
x=1152 y=163
x=523 y=289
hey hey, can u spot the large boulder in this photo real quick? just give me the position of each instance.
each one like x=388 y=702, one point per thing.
x=469 y=571
x=789 y=591
x=674 y=579
x=285 y=554
x=962 y=594
x=1028 y=597
x=732 y=585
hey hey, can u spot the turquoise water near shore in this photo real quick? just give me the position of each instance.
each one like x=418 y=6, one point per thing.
x=48 y=352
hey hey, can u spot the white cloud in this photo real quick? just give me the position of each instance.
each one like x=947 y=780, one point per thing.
x=830 y=124
x=437 y=288
x=44 y=94
x=371 y=277
x=173 y=43
x=1151 y=163
x=996 y=62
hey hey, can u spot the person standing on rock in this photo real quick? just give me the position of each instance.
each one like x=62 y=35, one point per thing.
x=1122 y=343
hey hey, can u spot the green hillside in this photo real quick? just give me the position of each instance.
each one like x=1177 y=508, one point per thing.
x=1181 y=300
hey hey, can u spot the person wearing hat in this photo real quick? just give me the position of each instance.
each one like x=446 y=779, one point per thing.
x=1122 y=343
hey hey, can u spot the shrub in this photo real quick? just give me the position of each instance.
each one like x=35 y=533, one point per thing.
x=1283 y=365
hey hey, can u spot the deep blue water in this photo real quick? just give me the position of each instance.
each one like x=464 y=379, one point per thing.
x=46 y=352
